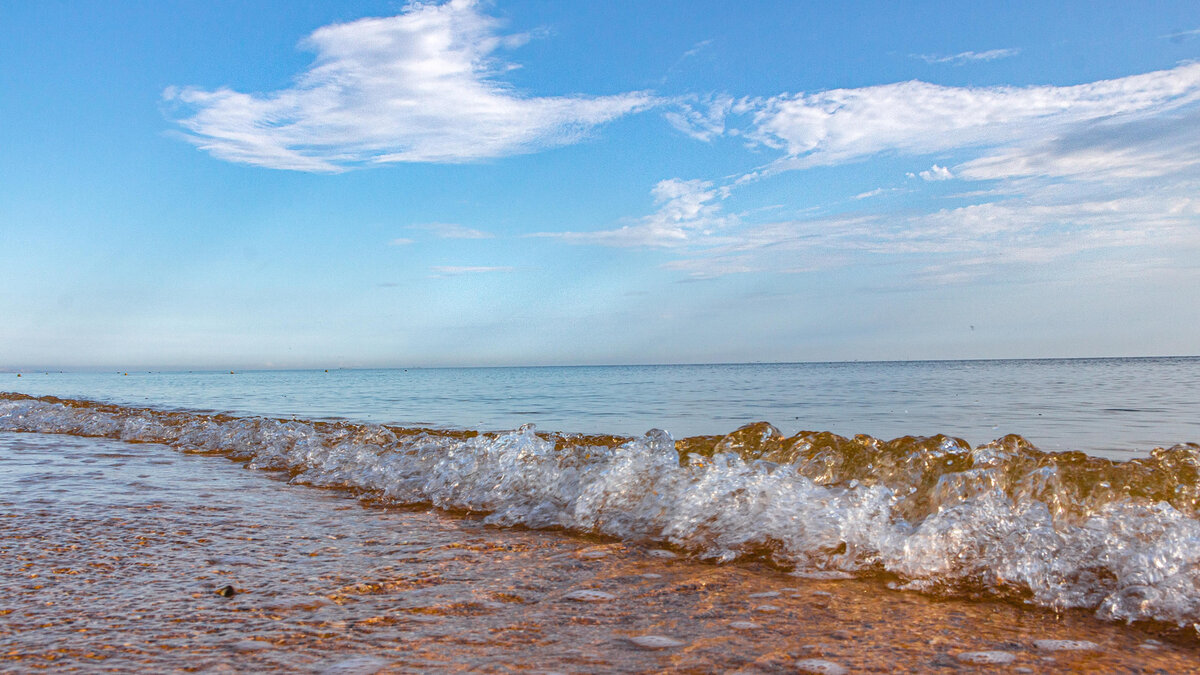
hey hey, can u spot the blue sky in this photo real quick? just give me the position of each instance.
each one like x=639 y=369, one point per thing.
x=304 y=184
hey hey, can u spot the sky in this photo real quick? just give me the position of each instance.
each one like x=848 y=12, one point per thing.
x=251 y=184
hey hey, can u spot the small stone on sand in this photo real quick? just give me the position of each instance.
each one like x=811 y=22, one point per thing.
x=1066 y=645
x=820 y=667
x=654 y=642
x=986 y=658
x=589 y=595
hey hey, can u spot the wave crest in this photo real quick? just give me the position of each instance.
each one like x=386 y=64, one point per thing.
x=1062 y=530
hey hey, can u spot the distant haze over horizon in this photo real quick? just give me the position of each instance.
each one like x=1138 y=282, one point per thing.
x=269 y=185
x=151 y=369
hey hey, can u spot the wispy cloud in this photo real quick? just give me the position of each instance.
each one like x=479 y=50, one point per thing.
x=1111 y=150
x=457 y=271
x=701 y=118
x=919 y=118
x=713 y=267
x=1105 y=165
x=963 y=58
x=400 y=241
x=877 y=192
x=686 y=209
x=422 y=86
x=452 y=231
x=1180 y=36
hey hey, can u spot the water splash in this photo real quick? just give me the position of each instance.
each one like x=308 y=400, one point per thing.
x=1061 y=530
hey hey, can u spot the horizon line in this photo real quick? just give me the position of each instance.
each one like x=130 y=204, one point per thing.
x=266 y=369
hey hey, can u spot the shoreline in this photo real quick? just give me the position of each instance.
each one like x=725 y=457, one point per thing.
x=123 y=547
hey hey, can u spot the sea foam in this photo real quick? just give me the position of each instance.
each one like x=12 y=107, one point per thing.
x=1060 y=530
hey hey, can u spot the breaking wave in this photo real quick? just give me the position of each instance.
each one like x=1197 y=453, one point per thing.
x=1003 y=519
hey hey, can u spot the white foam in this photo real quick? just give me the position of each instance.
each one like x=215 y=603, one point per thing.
x=1126 y=559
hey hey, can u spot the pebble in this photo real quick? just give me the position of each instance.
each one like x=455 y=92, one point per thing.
x=744 y=625
x=986 y=658
x=663 y=553
x=654 y=642
x=357 y=665
x=1066 y=645
x=841 y=635
x=766 y=608
x=820 y=667
x=768 y=594
x=589 y=595
x=651 y=575
x=593 y=555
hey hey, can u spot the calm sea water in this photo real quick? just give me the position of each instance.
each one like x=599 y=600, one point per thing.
x=1109 y=407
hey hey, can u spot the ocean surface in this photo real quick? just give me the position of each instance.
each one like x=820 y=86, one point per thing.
x=1100 y=406
x=665 y=505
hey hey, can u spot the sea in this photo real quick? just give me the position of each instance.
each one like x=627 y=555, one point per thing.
x=926 y=516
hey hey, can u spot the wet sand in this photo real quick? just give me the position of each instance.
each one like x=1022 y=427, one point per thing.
x=111 y=556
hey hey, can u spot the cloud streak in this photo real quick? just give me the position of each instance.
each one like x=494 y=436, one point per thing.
x=687 y=209
x=918 y=118
x=422 y=86
x=964 y=58
x=452 y=231
x=461 y=270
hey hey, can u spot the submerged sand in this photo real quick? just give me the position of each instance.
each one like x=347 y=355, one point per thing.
x=112 y=555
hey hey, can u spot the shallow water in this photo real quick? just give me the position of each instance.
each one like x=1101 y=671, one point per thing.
x=113 y=551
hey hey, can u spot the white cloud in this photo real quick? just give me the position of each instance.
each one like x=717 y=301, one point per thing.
x=1113 y=150
x=418 y=87
x=842 y=125
x=969 y=57
x=875 y=193
x=712 y=268
x=400 y=241
x=452 y=231
x=936 y=173
x=702 y=119
x=1180 y=36
x=456 y=271
x=687 y=209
